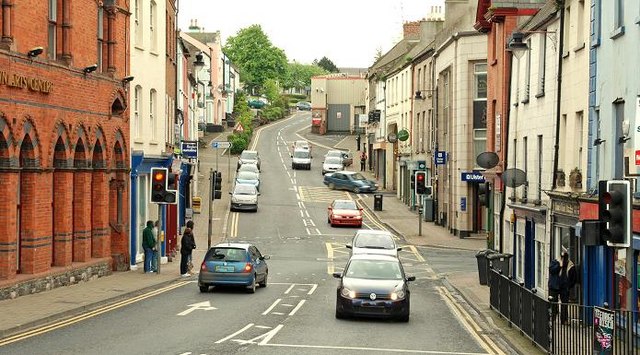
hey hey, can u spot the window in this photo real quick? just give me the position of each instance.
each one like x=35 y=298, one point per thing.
x=618 y=14
x=539 y=169
x=580 y=26
x=419 y=81
x=520 y=224
x=480 y=81
x=136 y=110
x=142 y=208
x=566 y=31
x=542 y=56
x=152 y=113
x=52 y=29
x=137 y=16
x=479 y=142
x=527 y=75
x=541 y=264
x=100 y=37
x=579 y=131
x=563 y=137
x=152 y=26
x=525 y=163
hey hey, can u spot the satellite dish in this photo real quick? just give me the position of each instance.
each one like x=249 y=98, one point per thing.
x=487 y=160
x=514 y=177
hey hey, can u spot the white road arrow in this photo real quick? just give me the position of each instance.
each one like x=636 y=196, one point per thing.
x=205 y=306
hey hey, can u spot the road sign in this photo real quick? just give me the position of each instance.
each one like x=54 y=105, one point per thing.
x=223 y=145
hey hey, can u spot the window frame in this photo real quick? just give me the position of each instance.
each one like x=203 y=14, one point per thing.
x=52 y=28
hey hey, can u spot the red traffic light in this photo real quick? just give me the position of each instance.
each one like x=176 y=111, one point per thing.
x=420 y=177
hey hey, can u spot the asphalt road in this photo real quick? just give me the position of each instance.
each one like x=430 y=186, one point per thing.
x=294 y=314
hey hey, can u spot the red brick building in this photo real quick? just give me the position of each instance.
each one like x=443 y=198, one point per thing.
x=64 y=141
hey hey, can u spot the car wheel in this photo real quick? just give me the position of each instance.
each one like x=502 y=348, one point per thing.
x=264 y=281
x=332 y=186
x=204 y=288
x=252 y=287
x=340 y=315
x=356 y=190
x=404 y=318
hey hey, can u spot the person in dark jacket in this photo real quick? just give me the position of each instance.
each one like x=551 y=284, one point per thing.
x=148 y=243
x=568 y=278
x=554 y=285
x=187 y=245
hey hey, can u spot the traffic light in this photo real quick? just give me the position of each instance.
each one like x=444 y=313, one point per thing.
x=216 y=185
x=421 y=182
x=159 y=192
x=614 y=202
x=172 y=182
x=413 y=181
x=483 y=193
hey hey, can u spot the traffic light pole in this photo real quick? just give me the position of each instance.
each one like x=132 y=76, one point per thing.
x=158 y=243
x=211 y=195
x=419 y=198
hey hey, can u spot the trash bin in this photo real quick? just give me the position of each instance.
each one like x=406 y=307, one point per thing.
x=483 y=265
x=501 y=263
x=377 y=202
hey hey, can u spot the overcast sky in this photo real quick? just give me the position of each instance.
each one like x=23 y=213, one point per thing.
x=348 y=32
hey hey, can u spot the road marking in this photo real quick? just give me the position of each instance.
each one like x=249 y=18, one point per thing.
x=234 y=334
x=329 y=347
x=66 y=322
x=273 y=305
x=297 y=307
x=205 y=306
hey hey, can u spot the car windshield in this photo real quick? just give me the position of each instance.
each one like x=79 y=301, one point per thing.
x=374 y=269
x=244 y=190
x=247 y=175
x=358 y=176
x=301 y=154
x=334 y=153
x=345 y=205
x=374 y=241
x=249 y=167
x=249 y=155
x=227 y=254
x=333 y=160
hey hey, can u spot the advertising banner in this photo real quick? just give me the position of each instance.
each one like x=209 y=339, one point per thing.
x=603 y=329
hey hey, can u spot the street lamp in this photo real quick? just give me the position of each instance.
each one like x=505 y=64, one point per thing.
x=516 y=45
x=199 y=63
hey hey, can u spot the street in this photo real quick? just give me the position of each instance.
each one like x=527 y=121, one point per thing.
x=295 y=313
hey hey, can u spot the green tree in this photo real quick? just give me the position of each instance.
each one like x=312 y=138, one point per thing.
x=299 y=75
x=258 y=60
x=327 y=65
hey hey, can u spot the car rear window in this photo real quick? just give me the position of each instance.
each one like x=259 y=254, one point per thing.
x=247 y=175
x=249 y=155
x=333 y=160
x=303 y=154
x=374 y=269
x=373 y=241
x=227 y=254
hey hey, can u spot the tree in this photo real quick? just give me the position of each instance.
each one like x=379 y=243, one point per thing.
x=258 y=60
x=327 y=65
x=299 y=75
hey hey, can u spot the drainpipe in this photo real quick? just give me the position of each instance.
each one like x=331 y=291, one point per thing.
x=556 y=147
x=506 y=152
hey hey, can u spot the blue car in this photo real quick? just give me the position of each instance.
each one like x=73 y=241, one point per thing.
x=349 y=180
x=233 y=264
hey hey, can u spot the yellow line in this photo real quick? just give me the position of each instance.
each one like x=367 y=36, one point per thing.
x=91 y=314
x=472 y=327
x=414 y=250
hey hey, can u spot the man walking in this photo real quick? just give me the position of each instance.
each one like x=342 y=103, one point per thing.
x=148 y=243
x=363 y=160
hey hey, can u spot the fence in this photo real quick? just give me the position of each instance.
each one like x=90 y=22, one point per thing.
x=541 y=321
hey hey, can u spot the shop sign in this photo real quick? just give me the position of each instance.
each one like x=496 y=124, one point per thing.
x=472 y=176
x=189 y=149
x=603 y=330
x=403 y=135
x=25 y=82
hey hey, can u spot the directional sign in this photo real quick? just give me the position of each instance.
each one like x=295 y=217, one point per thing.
x=205 y=306
x=223 y=145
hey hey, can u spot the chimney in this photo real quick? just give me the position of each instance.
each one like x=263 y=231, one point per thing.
x=411 y=30
x=194 y=25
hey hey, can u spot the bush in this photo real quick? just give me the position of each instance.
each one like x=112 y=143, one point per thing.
x=239 y=142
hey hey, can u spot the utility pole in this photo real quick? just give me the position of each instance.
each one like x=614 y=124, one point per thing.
x=229 y=164
x=211 y=195
x=158 y=243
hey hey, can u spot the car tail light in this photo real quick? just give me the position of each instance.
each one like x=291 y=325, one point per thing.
x=247 y=267
x=203 y=266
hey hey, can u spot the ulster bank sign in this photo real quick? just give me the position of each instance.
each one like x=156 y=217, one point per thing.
x=472 y=176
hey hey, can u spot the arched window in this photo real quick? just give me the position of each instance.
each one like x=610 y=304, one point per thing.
x=137 y=108
x=152 y=113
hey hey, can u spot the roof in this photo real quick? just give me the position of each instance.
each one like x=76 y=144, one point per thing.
x=546 y=13
x=205 y=37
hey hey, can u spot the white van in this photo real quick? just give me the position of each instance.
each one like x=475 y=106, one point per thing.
x=301 y=158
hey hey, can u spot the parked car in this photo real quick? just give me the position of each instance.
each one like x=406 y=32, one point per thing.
x=244 y=197
x=373 y=286
x=301 y=158
x=248 y=177
x=349 y=180
x=303 y=106
x=373 y=241
x=249 y=157
x=344 y=213
x=332 y=164
x=249 y=167
x=233 y=264
x=347 y=157
x=257 y=104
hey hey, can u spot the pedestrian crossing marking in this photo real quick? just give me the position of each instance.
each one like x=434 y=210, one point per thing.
x=321 y=194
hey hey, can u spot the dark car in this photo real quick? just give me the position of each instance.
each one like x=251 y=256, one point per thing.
x=349 y=180
x=256 y=104
x=233 y=264
x=303 y=106
x=373 y=286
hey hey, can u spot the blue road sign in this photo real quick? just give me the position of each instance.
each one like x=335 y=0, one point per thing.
x=440 y=157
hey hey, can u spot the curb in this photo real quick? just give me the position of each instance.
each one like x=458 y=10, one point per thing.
x=80 y=310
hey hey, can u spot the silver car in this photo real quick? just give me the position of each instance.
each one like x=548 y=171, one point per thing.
x=249 y=157
x=331 y=164
x=373 y=241
x=244 y=197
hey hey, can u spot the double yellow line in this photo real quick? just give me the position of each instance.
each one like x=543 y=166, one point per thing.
x=64 y=323
x=233 y=226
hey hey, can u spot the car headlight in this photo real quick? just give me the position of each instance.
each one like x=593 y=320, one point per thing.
x=397 y=295
x=234 y=199
x=345 y=292
x=358 y=217
x=337 y=216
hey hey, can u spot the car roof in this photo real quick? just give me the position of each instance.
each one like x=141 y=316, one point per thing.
x=373 y=257
x=233 y=245
x=374 y=231
x=249 y=151
x=343 y=200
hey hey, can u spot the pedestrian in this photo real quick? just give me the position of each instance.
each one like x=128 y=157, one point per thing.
x=154 y=259
x=148 y=243
x=187 y=245
x=363 y=160
x=568 y=278
x=554 y=286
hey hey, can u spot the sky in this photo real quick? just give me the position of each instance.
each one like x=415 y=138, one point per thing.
x=348 y=32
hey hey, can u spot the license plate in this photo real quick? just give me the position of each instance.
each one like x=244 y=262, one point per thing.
x=220 y=268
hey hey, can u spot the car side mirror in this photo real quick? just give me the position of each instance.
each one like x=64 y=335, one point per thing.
x=329 y=208
x=399 y=248
x=361 y=209
x=349 y=246
x=230 y=193
x=258 y=194
x=411 y=278
x=337 y=275
x=265 y=257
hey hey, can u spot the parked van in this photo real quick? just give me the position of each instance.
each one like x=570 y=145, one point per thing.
x=301 y=158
